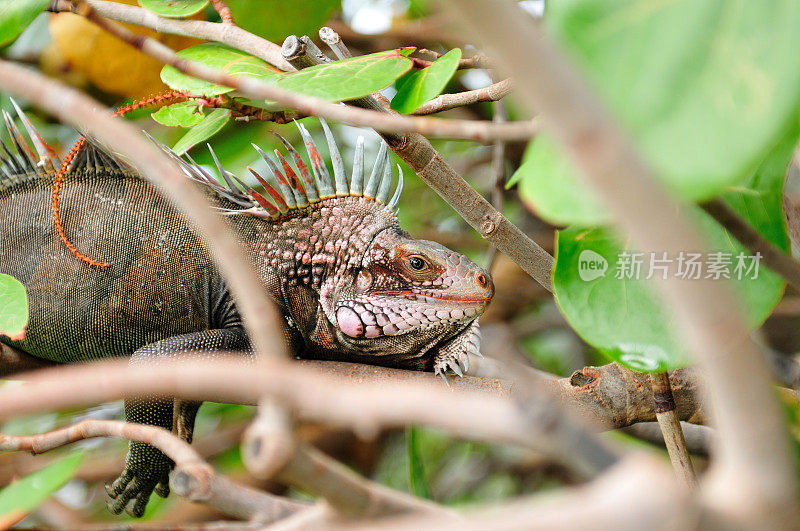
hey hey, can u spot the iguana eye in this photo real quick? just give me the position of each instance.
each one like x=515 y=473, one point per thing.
x=417 y=264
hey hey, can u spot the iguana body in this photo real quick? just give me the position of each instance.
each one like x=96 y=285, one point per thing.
x=351 y=284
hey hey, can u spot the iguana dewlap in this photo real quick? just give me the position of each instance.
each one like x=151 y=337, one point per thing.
x=351 y=284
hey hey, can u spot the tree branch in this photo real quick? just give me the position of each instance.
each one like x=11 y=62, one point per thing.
x=609 y=395
x=444 y=102
x=671 y=428
x=229 y=34
x=193 y=478
x=781 y=263
x=396 y=398
x=223 y=11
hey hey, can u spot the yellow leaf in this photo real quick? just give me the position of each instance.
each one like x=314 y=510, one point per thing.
x=108 y=63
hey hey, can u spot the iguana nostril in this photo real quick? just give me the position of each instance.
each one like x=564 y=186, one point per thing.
x=483 y=282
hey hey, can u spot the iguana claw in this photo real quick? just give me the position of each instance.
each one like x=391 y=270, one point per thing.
x=146 y=471
x=454 y=355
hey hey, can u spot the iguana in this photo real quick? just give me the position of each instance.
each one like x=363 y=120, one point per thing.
x=350 y=283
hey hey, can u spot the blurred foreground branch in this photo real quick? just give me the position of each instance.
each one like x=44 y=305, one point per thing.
x=193 y=478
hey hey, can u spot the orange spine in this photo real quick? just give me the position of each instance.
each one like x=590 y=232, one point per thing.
x=166 y=98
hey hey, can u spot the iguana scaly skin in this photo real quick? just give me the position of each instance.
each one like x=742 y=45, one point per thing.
x=351 y=284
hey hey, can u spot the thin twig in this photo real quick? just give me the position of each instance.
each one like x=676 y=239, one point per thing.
x=498 y=174
x=223 y=10
x=444 y=102
x=476 y=61
x=698 y=438
x=664 y=404
x=752 y=467
x=334 y=42
x=193 y=478
x=772 y=257
x=229 y=34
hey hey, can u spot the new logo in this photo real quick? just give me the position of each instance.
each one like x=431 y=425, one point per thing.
x=591 y=265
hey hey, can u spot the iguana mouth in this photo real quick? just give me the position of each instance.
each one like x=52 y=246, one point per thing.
x=423 y=297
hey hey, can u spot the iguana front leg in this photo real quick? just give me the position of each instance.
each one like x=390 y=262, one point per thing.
x=454 y=354
x=147 y=468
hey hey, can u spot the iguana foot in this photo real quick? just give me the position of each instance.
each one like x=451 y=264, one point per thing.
x=454 y=355
x=146 y=471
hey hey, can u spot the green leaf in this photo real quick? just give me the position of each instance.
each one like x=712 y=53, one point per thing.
x=626 y=318
x=416 y=468
x=174 y=8
x=277 y=19
x=349 y=79
x=207 y=128
x=703 y=88
x=27 y=493
x=183 y=114
x=549 y=184
x=13 y=308
x=16 y=15
x=219 y=57
x=419 y=86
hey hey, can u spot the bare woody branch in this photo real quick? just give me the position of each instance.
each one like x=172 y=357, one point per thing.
x=193 y=478
x=639 y=489
x=664 y=404
x=223 y=10
x=444 y=102
x=772 y=257
x=476 y=61
x=609 y=396
x=753 y=473
x=349 y=493
x=229 y=34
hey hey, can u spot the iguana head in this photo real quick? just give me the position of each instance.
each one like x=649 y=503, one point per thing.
x=411 y=300
x=356 y=286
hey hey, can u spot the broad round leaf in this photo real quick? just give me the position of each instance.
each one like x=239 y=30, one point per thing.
x=207 y=128
x=614 y=309
x=549 y=184
x=182 y=114
x=703 y=88
x=351 y=78
x=277 y=19
x=220 y=57
x=15 y=15
x=13 y=308
x=173 y=8
x=419 y=86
